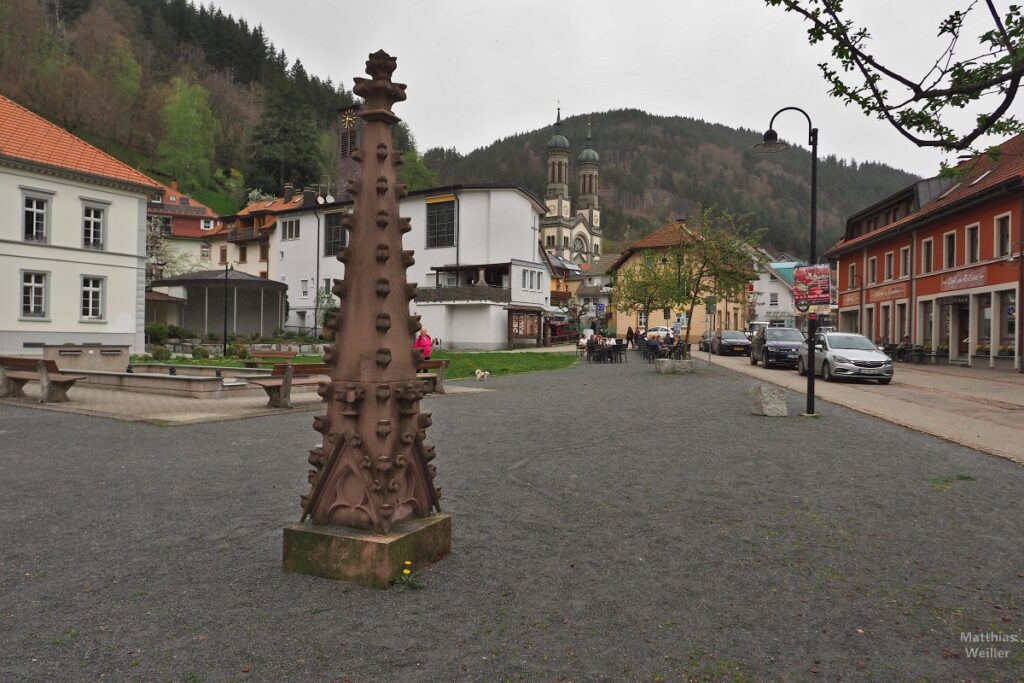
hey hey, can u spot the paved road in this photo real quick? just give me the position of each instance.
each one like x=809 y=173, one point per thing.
x=976 y=407
x=609 y=524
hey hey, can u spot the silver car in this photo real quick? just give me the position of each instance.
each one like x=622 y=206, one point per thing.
x=844 y=354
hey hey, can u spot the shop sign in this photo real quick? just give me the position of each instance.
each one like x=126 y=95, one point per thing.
x=964 y=279
x=850 y=299
x=960 y=300
x=891 y=292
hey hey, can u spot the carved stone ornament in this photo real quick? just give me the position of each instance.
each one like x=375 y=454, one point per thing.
x=370 y=472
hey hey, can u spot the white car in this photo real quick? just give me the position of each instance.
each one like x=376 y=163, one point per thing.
x=844 y=354
x=660 y=330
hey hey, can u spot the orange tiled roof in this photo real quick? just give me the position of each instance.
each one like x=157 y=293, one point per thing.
x=978 y=175
x=29 y=137
x=670 y=234
x=169 y=191
x=271 y=205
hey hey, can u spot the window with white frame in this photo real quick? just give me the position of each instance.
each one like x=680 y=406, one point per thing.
x=889 y=256
x=207 y=224
x=290 y=229
x=33 y=294
x=852 y=275
x=872 y=270
x=304 y=288
x=949 y=249
x=36 y=213
x=1003 y=235
x=927 y=256
x=92 y=227
x=92 y=298
x=905 y=262
x=204 y=251
x=641 y=319
x=973 y=244
x=524 y=278
x=773 y=299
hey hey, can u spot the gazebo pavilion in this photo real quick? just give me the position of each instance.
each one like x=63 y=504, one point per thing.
x=216 y=300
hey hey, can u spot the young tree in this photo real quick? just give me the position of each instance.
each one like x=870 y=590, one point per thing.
x=643 y=286
x=186 y=147
x=162 y=259
x=915 y=106
x=718 y=259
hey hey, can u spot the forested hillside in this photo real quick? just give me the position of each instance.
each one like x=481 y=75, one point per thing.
x=176 y=89
x=654 y=168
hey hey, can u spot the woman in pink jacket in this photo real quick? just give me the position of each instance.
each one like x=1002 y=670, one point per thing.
x=424 y=343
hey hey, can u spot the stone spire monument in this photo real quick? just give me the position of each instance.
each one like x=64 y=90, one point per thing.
x=373 y=469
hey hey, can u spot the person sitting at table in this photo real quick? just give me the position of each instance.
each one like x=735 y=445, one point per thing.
x=904 y=349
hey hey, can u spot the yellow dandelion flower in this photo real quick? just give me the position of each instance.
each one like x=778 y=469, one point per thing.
x=407 y=571
x=408 y=563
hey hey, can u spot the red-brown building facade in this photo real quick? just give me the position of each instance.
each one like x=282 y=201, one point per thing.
x=940 y=261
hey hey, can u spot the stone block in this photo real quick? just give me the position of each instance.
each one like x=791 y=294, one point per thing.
x=345 y=554
x=668 y=366
x=769 y=400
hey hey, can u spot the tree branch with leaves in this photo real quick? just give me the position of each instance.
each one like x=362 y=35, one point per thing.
x=919 y=107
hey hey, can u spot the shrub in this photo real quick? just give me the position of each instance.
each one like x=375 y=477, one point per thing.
x=238 y=351
x=156 y=332
x=200 y=352
x=161 y=353
x=176 y=332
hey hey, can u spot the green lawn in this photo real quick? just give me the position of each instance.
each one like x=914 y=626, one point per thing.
x=461 y=364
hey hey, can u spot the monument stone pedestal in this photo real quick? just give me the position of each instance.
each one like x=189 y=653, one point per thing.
x=363 y=557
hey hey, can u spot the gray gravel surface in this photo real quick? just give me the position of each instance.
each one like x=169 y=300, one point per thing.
x=610 y=523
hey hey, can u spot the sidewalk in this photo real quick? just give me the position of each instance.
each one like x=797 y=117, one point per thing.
x=974 y=407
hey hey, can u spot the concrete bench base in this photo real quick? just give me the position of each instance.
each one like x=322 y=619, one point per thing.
x=667 y=366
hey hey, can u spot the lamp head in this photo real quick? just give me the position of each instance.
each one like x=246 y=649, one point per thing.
x=770 y=143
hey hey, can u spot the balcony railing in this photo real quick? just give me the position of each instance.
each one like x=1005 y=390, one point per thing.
x=501 y=295
x=560 y=297
x=243 y=234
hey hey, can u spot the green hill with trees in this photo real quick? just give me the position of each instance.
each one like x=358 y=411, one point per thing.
x=657 y=168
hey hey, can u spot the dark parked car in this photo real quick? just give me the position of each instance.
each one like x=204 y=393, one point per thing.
x=705 y=341
x=776 y=346
x=730 y=343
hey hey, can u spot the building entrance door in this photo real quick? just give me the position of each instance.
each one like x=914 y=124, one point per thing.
x=963 y=331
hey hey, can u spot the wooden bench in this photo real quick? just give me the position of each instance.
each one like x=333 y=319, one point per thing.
x=16 y=371
x=284 y=376
x=257 y=357
x=432 y=372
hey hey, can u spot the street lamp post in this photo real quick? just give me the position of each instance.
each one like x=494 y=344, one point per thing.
x=1019 y=257
x=225 y=349
x=769 y=144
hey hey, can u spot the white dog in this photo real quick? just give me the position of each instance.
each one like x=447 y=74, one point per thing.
x=482 y=375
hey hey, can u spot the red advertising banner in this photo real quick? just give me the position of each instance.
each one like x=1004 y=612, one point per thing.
x=812 y=284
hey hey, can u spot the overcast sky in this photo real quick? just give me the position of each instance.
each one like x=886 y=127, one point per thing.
x=480 y=70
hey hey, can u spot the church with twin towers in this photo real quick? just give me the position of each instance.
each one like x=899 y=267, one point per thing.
x=574 y=235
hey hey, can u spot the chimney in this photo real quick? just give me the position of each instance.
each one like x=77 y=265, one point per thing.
x=308 y=197
x=174 y=184
x=289 y=192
